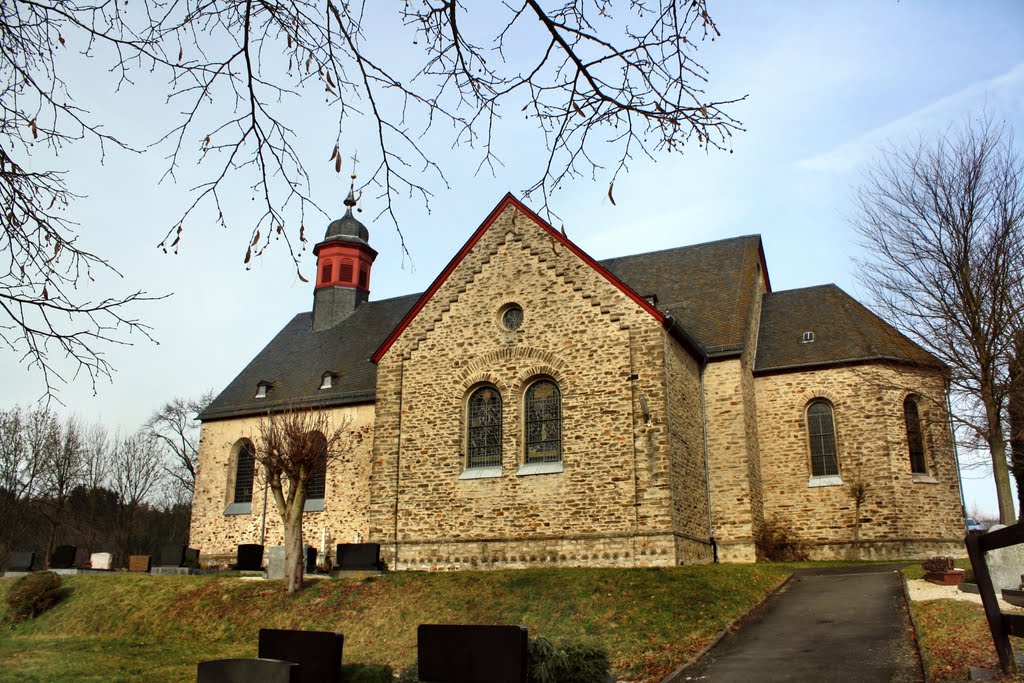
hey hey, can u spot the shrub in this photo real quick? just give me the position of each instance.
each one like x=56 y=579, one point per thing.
x=573 y=662
x=32 y=594
x=775 y=544
x=969 y=575
x=938 y=564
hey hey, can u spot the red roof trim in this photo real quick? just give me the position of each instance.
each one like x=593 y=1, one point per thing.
x=457 y=259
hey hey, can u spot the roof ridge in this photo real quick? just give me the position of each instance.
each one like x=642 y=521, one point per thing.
x=681 y=246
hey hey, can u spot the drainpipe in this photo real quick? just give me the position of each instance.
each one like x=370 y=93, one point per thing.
x=263 y=520
x=956 y=457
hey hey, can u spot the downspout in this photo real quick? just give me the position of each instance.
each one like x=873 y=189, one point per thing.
x=956 y=456
x=263 y=520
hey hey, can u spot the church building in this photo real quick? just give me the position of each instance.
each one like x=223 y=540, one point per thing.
x=537 y=407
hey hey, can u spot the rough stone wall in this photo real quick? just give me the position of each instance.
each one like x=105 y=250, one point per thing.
x=612 y=502
x=346 y=499
x=903 y=516
x=688 y=471
x=734 y=455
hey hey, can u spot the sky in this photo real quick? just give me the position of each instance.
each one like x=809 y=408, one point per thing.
x=826 y=85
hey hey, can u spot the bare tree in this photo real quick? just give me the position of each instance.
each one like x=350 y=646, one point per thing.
x=63 y=470
x=176 y=425
x=136 y=474
x=604 y=82
x=292 y=447
x=942 y=223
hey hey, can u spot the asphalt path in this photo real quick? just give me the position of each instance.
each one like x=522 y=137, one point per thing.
x=838 y=624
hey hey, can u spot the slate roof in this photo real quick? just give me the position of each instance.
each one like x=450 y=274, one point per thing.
x=295 y=360
x=706 y=287
x=845 y=331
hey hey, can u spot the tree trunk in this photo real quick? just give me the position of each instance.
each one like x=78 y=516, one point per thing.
x=1000 y=469
x=293 y=551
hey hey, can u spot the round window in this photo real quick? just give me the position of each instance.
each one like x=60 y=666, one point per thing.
x=512 y=317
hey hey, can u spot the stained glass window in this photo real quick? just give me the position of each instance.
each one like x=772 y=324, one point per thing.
x=915 y=439
x=316 y=487
x=822 y=433
x=543 y=407
x=512 y=318
x=484 y=428
x=244 y=471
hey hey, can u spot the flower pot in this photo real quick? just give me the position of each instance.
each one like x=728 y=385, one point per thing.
x=951 y=577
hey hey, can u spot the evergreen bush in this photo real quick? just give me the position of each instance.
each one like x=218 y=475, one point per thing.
x=32 y=594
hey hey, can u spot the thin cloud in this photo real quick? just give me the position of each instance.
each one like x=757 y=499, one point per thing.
x=1005 y=87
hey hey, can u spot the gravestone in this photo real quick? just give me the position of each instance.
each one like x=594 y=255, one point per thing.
x=1005 y=565
x=250 y=557
x=192 y=557
x=361 y=556
x=318 y=653
x=450 y=653
x=20 y=561
x=171 y=555
x=248 y=670
x=310 y=559
x=101 y=560
x=275 y=562
x=63 y=557
x=138 y=563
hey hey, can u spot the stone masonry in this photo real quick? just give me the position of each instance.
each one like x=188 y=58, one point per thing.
x=624 y=445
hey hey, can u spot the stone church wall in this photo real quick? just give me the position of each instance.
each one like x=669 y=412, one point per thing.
x=612 y=503
x=346 y=497
x=904 y=515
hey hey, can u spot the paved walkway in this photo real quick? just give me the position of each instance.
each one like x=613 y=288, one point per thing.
x=836 y=624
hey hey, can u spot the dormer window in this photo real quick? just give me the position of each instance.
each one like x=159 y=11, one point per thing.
x=327 y=381
x=261 y=389
x=807 y=338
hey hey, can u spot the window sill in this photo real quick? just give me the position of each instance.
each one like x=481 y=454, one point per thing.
x=314 y=505
x=481 y=473
x=238 y=509
x=922 y=478
x=834 y=480
x=539 y=468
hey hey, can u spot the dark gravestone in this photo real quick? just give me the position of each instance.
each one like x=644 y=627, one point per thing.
x=358 y=556
x=250 y=557
x=63 y=557
x=248 y=671
x=171 y=555
x=466 y=654
x=191 y=557
x=20 y=561
x=318 y=653
x=310 y=559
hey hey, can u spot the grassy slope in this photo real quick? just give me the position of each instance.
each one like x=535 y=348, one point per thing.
x=156 y=628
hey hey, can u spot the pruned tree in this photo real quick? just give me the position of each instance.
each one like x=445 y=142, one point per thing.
x=603 y=82
x=176 y=426
x=292 y=447
x=942 y=224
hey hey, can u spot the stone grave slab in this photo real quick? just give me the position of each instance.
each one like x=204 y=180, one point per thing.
x=1005 y=565
x=248 y=671
x=318 y=653
x=456 y=653
x=138 y=563
x=20 y=561
x=101 y=561
x=250 y=557
x=63 y=557
x=359 y=556
x=275 y=562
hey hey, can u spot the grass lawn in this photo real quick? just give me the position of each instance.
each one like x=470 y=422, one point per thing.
x=130 y=627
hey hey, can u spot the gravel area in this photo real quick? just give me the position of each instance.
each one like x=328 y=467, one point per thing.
x=925 y=590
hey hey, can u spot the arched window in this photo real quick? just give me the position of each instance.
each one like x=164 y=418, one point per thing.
x=821 y=431
x=483 y=428
x=245 y=468
x=915 y=437
x=316 y=487
x=542 y=407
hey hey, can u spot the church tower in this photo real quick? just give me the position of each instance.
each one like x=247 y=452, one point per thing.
x=343 y=262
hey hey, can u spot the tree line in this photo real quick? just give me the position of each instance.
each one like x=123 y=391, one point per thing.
x=66 y=481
